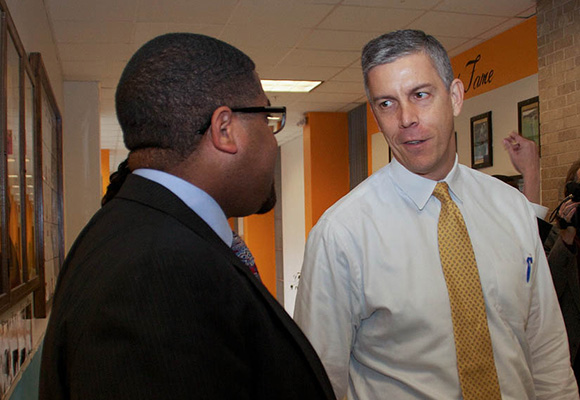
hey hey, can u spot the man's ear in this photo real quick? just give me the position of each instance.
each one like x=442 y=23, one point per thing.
x=221 y=130
x=456 y=90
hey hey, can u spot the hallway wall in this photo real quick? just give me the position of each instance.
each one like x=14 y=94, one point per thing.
x=559 y=87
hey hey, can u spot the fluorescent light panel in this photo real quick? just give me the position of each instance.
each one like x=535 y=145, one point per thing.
x=289 y=86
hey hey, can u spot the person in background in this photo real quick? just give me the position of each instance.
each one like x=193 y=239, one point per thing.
x=525 y=158
x=152 y=301
x=428 y=280
x=564 y=259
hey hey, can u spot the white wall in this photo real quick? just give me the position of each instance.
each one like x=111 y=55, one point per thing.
x=34 y=31
x=293 y=217
x=82 y=156
x=380 y=151
x=503 y=104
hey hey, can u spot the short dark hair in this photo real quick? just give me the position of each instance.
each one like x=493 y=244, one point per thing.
x=172 y=85
x=393 y=45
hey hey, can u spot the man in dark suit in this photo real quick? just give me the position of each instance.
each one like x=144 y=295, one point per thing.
x=152 y=302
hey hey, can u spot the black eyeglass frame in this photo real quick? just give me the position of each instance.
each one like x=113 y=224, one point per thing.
x=254 y=110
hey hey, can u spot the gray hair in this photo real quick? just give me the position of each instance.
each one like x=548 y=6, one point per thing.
x=391 y=46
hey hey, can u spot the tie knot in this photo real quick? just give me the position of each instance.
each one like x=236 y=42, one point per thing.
x=241 y=250
x=441 y=191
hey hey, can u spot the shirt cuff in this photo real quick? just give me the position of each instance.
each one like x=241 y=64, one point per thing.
x=540 y=210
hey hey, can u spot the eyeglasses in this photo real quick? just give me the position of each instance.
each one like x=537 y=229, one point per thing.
x=276 y=117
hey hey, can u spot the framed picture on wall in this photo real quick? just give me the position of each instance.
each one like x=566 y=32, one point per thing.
x=529 y=119
x=481 y=136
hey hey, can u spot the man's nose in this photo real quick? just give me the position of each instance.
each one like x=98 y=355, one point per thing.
x=407 y=115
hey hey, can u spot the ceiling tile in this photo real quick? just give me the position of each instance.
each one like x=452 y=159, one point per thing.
x=298 y=39
x=93 y=32
x=101 y=10
x=266 y=59
x=321 y=58
x=107 y=94
x=410 y=4
x=369 y=19
x=352 y=106
x=337 y=40
x=109 y=119
x=315 y=96
x=109 y=114
x=179 y=11
x=91 y=70
x=145 y=31
x=267 y=36
x=285 y=13
x=456 y=25
x=95 y=52
x=510 y=23
x=291 y=101
x=300 y=72
x=530 y=12
x=451 y=43
x=319 y=1
x=497 y=8
x=350 y=75
x=322 y=106
x=109 y=82
x=468 y=44
x=333 y=86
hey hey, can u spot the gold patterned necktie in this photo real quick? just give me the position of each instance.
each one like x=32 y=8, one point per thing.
x=475 y=364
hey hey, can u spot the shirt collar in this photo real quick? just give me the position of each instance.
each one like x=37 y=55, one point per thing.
x=195 y=198
x=420 y=189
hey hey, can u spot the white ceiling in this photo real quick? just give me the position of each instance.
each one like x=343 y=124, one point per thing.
x=288 y=39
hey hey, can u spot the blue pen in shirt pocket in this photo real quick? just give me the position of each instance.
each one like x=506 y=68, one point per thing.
x=529 y=263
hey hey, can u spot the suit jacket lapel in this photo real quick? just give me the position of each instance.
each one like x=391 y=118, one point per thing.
x=153 y=195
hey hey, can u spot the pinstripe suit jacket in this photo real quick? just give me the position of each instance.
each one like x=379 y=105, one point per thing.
x=151 y=304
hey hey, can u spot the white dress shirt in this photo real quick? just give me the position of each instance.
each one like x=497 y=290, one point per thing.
x=373 y=301
x=199 y=201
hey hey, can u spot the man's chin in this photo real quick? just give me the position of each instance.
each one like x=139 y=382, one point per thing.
x=269 y=203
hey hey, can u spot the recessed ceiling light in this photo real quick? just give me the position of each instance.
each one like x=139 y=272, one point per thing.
x=289 y=86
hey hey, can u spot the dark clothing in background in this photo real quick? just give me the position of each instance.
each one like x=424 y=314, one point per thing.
x=152 y=304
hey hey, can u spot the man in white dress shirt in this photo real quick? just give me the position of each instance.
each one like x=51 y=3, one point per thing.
x=373 y=299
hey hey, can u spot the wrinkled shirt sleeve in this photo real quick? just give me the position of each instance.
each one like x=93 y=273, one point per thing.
x=553 y=376
x=326 y=304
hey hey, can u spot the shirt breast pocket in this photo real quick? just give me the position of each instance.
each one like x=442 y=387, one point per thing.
x=514 y=279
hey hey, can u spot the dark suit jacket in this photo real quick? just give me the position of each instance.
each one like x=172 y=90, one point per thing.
x=564 y=268
x=151 y=304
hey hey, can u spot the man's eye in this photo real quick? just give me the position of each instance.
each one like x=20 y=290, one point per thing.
x=421 y=95
x=385 y=104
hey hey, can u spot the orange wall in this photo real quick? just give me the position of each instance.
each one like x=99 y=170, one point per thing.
x=105 y=170
x=326 y=164
x=260 y=238
x=507 y=57
x=372 y=128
